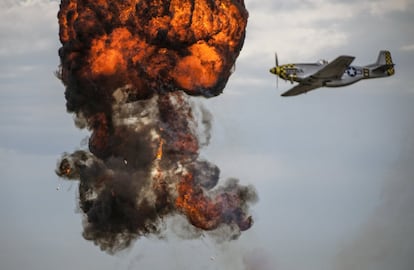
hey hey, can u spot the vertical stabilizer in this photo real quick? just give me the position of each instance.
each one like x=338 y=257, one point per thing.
x=384 y=63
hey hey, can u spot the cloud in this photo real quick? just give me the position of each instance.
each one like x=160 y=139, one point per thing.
x=384 y=6
x=408 y=48
x=386 y=239
x=28 y=44
x=301 y=29
x=27 y=27
x=295 y=30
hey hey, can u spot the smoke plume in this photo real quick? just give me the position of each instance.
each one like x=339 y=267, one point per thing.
x=128 y=67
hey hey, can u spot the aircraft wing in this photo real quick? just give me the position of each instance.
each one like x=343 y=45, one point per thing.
x=300 y=89
x=335 y=69
x=331 y=71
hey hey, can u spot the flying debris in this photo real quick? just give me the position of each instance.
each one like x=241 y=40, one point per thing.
x=339 y=72
x=128 y=67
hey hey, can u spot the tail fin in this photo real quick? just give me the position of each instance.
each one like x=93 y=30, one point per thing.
x=384 y=63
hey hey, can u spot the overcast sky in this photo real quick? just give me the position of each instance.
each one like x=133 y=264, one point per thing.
x=333 y=168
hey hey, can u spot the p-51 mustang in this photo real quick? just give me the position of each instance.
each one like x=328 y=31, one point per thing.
x=337 y=73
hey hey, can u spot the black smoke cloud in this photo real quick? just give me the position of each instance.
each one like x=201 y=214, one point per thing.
x=127 y=67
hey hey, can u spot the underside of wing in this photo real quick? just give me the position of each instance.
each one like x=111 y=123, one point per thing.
x=335 y=69
x=300 y=89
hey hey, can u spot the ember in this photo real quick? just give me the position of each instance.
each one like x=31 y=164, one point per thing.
x=126 y=66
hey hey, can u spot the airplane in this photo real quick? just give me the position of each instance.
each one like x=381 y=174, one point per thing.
x=337 y=73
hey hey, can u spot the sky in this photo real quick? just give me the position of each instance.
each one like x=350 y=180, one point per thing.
x=332 y=168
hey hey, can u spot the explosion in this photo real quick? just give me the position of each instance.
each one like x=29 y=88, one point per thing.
x=128 y=67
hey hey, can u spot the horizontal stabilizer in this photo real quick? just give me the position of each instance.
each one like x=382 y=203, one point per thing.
x=383 y=68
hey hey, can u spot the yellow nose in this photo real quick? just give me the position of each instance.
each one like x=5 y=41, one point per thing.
x=275 y=70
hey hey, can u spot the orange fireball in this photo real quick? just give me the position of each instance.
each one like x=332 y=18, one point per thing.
x=153 y=46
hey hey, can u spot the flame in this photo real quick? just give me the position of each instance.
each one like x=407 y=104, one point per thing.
x=207 y=212
x=151 y=45
x=65 y=168
x=200 y=210
x=199 y=68
x=159 y=150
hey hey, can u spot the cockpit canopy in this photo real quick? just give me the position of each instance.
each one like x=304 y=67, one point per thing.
x=322 y=62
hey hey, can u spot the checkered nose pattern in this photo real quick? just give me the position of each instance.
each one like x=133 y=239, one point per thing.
x=275 y=70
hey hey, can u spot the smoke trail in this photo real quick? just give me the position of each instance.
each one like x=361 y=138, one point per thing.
x=124 y=64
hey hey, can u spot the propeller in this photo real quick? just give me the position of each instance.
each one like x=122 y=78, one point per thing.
x=277 y=64
x=276 y=60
